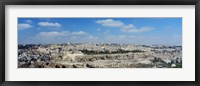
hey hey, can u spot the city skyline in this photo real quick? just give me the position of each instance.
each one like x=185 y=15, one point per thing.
x=97 y=30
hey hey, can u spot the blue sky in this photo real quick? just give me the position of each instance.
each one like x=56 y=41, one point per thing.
x=96 y=30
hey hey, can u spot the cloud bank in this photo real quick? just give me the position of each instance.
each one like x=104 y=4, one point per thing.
x=49 y=24
x=123 y=27
x=110 y=23
x=63 y=37
x=23 y=26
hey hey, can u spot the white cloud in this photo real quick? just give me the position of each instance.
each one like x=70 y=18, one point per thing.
x=66 y=36
x=28 y=21
x=79 y=33
x=53 y=34
x=144 y=29
x=23 y=26
x=93 y=37
x=61 y=34
x=132 y=28
x=123 y=27
x=50 y=37
x=132 y=36
x=63 y=37
x=98 y=29
x=122 y=36
x=107 y=31
x=110 y=23
x=49 y=24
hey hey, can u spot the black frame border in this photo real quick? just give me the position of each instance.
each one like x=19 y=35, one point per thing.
x=3 y=3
